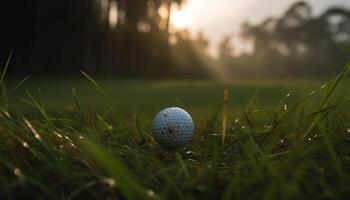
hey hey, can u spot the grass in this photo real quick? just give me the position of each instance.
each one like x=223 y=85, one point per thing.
x=290 y=140
x=147 y=95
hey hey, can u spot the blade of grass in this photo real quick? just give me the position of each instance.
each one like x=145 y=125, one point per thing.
x=128 y=185
x=224 y=117
x=19 y=84
x=2 y=82
x=36 y=105
x=108 y=101
x=170 y=182
x=183 y=166
x=77 y=103
x=213 y=120
x=330 y=92
x=3 y=72
x=330 y=107
x=138 y=126
x=248 y=119
x=331 y=150
x=80 y=189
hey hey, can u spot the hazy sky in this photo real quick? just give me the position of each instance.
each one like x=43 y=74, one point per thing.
x=217 y=18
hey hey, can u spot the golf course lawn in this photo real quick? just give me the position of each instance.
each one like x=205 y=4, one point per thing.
x=284 y=140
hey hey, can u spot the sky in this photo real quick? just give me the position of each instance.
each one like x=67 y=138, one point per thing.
x=216 y=19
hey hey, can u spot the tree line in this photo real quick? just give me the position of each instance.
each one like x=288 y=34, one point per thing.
x=296 y=44
x=62 y=37
x=133 y=38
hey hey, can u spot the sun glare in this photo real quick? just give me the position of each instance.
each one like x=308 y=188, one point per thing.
x=180 y=19
x=113 y=14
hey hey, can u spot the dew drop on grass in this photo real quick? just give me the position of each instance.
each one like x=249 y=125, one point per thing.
x=151 y=193
x=348 y=130
x=32 y=129
x=192 y=160
x=59 y=135
x=25 y=144
x=67 y=138
x=285 y=107
x=37 y=136
x=18 y=173
x=81 y=137
x=109 y=181
x=236 y=120
x=282 y=141
x=188 y=152
x=323 y=86
x=309 y=139
x=7 y=114
x=243 y=127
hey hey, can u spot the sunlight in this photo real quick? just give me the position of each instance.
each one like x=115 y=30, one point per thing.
x=113 y=14
x=180 y=19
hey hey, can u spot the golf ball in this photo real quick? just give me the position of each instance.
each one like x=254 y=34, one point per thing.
x=173 y=128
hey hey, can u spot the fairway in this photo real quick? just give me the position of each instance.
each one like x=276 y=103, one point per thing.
x=150 y=96
x=285 y=139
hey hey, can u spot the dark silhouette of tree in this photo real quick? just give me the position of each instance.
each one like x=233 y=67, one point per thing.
x=225 y=49
x=63 y=37
x=299 y=43
x=189 y=55
x=51 y=38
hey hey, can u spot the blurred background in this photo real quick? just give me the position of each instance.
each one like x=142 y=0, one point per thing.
x=175 y=38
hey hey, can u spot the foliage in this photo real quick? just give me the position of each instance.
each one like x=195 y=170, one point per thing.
x=61 y=38
x=296 y=44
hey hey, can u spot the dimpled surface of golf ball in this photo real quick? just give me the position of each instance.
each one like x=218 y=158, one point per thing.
x=173 y=128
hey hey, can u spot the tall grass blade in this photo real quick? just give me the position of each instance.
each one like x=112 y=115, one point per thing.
x=19 y=84
x=107 y=100
x=33 y=102
x=323 y=104
x=139 y=130
x=128 y=185
x=3 y=72
x=224 y=117
x=2 y=82
x=330 y=147
x=77 y=103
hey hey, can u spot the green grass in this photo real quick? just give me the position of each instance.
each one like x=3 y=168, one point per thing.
x=147 y=95
x=284 y=141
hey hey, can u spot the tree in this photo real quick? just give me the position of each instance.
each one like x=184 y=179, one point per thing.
x=299 y=43
x=63 y=37
x=225 y=48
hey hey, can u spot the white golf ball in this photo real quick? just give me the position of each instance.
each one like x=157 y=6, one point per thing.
x=173 y=128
